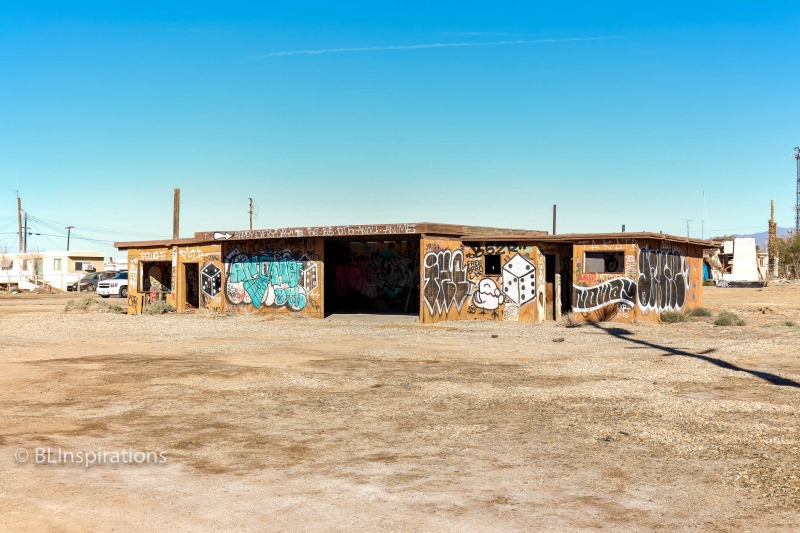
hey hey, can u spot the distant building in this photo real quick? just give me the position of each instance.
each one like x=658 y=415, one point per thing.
x=31 y=270
x=436 y=271
x=742 y=264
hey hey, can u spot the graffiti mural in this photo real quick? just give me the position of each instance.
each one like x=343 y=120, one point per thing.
x=264 y=277
x=663 y=279
x=354 y=278
x=211 y=277
x=488 y=297
x=267 y=279
x=519 y=280
x=446 y=282
x=393 y=273
x=613 y=291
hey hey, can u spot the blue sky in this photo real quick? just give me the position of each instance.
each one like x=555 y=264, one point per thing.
x=620 y=113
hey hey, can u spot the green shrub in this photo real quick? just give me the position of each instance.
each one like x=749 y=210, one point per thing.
x=670 y=317
x=159 y=307
x=700 y=311
x=726 y=318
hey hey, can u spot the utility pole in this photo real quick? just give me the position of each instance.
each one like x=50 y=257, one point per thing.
x=554 y=219
x=176 y=214
x=796 y=155
x=687 y=220
x=19 y=220
x=68 y=228
x=251 y=214
x=25 y=240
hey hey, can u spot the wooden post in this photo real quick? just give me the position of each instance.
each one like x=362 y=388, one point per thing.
x=176 y=214
x=554 y=219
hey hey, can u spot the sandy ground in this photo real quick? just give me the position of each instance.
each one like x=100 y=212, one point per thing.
x=384 y=425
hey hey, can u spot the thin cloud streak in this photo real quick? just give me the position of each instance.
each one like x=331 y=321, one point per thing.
x=430 y=45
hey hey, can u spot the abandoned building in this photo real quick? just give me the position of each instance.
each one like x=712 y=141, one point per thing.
x=437 y=271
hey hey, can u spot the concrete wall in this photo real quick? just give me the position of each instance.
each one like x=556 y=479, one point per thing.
x=459 y=283
x=651 y=277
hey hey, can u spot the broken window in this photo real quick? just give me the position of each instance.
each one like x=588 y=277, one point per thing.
x=603 y=262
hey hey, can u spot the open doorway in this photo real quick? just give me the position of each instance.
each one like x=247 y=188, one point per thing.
x=565 y=272
x=371 y=276
x=192 y=276
x=550 y=286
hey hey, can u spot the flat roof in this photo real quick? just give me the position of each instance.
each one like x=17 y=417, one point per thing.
x=353 y=231
x=578 y=238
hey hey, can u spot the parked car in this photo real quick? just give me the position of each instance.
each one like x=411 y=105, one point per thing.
x=117 y=285
x=89 y=281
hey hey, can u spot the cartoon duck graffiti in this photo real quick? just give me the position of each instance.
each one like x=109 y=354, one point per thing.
x=487 y=297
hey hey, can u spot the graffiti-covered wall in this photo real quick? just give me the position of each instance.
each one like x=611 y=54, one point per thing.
x=162 y=274
x=274 y=276
x=365 y=277
x=462 y=281
x=625 y=280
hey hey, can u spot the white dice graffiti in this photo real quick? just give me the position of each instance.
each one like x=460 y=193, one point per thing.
x=519 y=280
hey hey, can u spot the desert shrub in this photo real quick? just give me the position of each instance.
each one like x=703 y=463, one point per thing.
x=79 y=305
x=670 y=317
x=159 y=307
x=789 y=323
x=89 y=304
x=700 y=311
x=112 y=308
x=726 y=318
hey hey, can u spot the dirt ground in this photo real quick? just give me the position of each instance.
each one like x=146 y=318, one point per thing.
x=384 y=425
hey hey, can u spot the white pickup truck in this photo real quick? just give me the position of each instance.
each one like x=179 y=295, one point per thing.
x=117 y=285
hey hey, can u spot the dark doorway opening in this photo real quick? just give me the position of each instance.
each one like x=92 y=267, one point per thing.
x=566 y=282
x=371 y=276
x=550 y=286
x=192 y=276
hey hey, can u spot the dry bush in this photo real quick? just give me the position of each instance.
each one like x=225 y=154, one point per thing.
x=670 y=317
x=158 y=307
x=726 y=318
x=89 y=304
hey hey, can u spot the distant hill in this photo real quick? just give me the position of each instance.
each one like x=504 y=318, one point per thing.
x=763 y=236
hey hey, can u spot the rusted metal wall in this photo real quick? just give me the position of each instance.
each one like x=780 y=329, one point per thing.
x=457 y=285
x=654 y=277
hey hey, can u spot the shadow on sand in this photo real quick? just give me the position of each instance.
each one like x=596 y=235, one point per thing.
x=626 y=335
